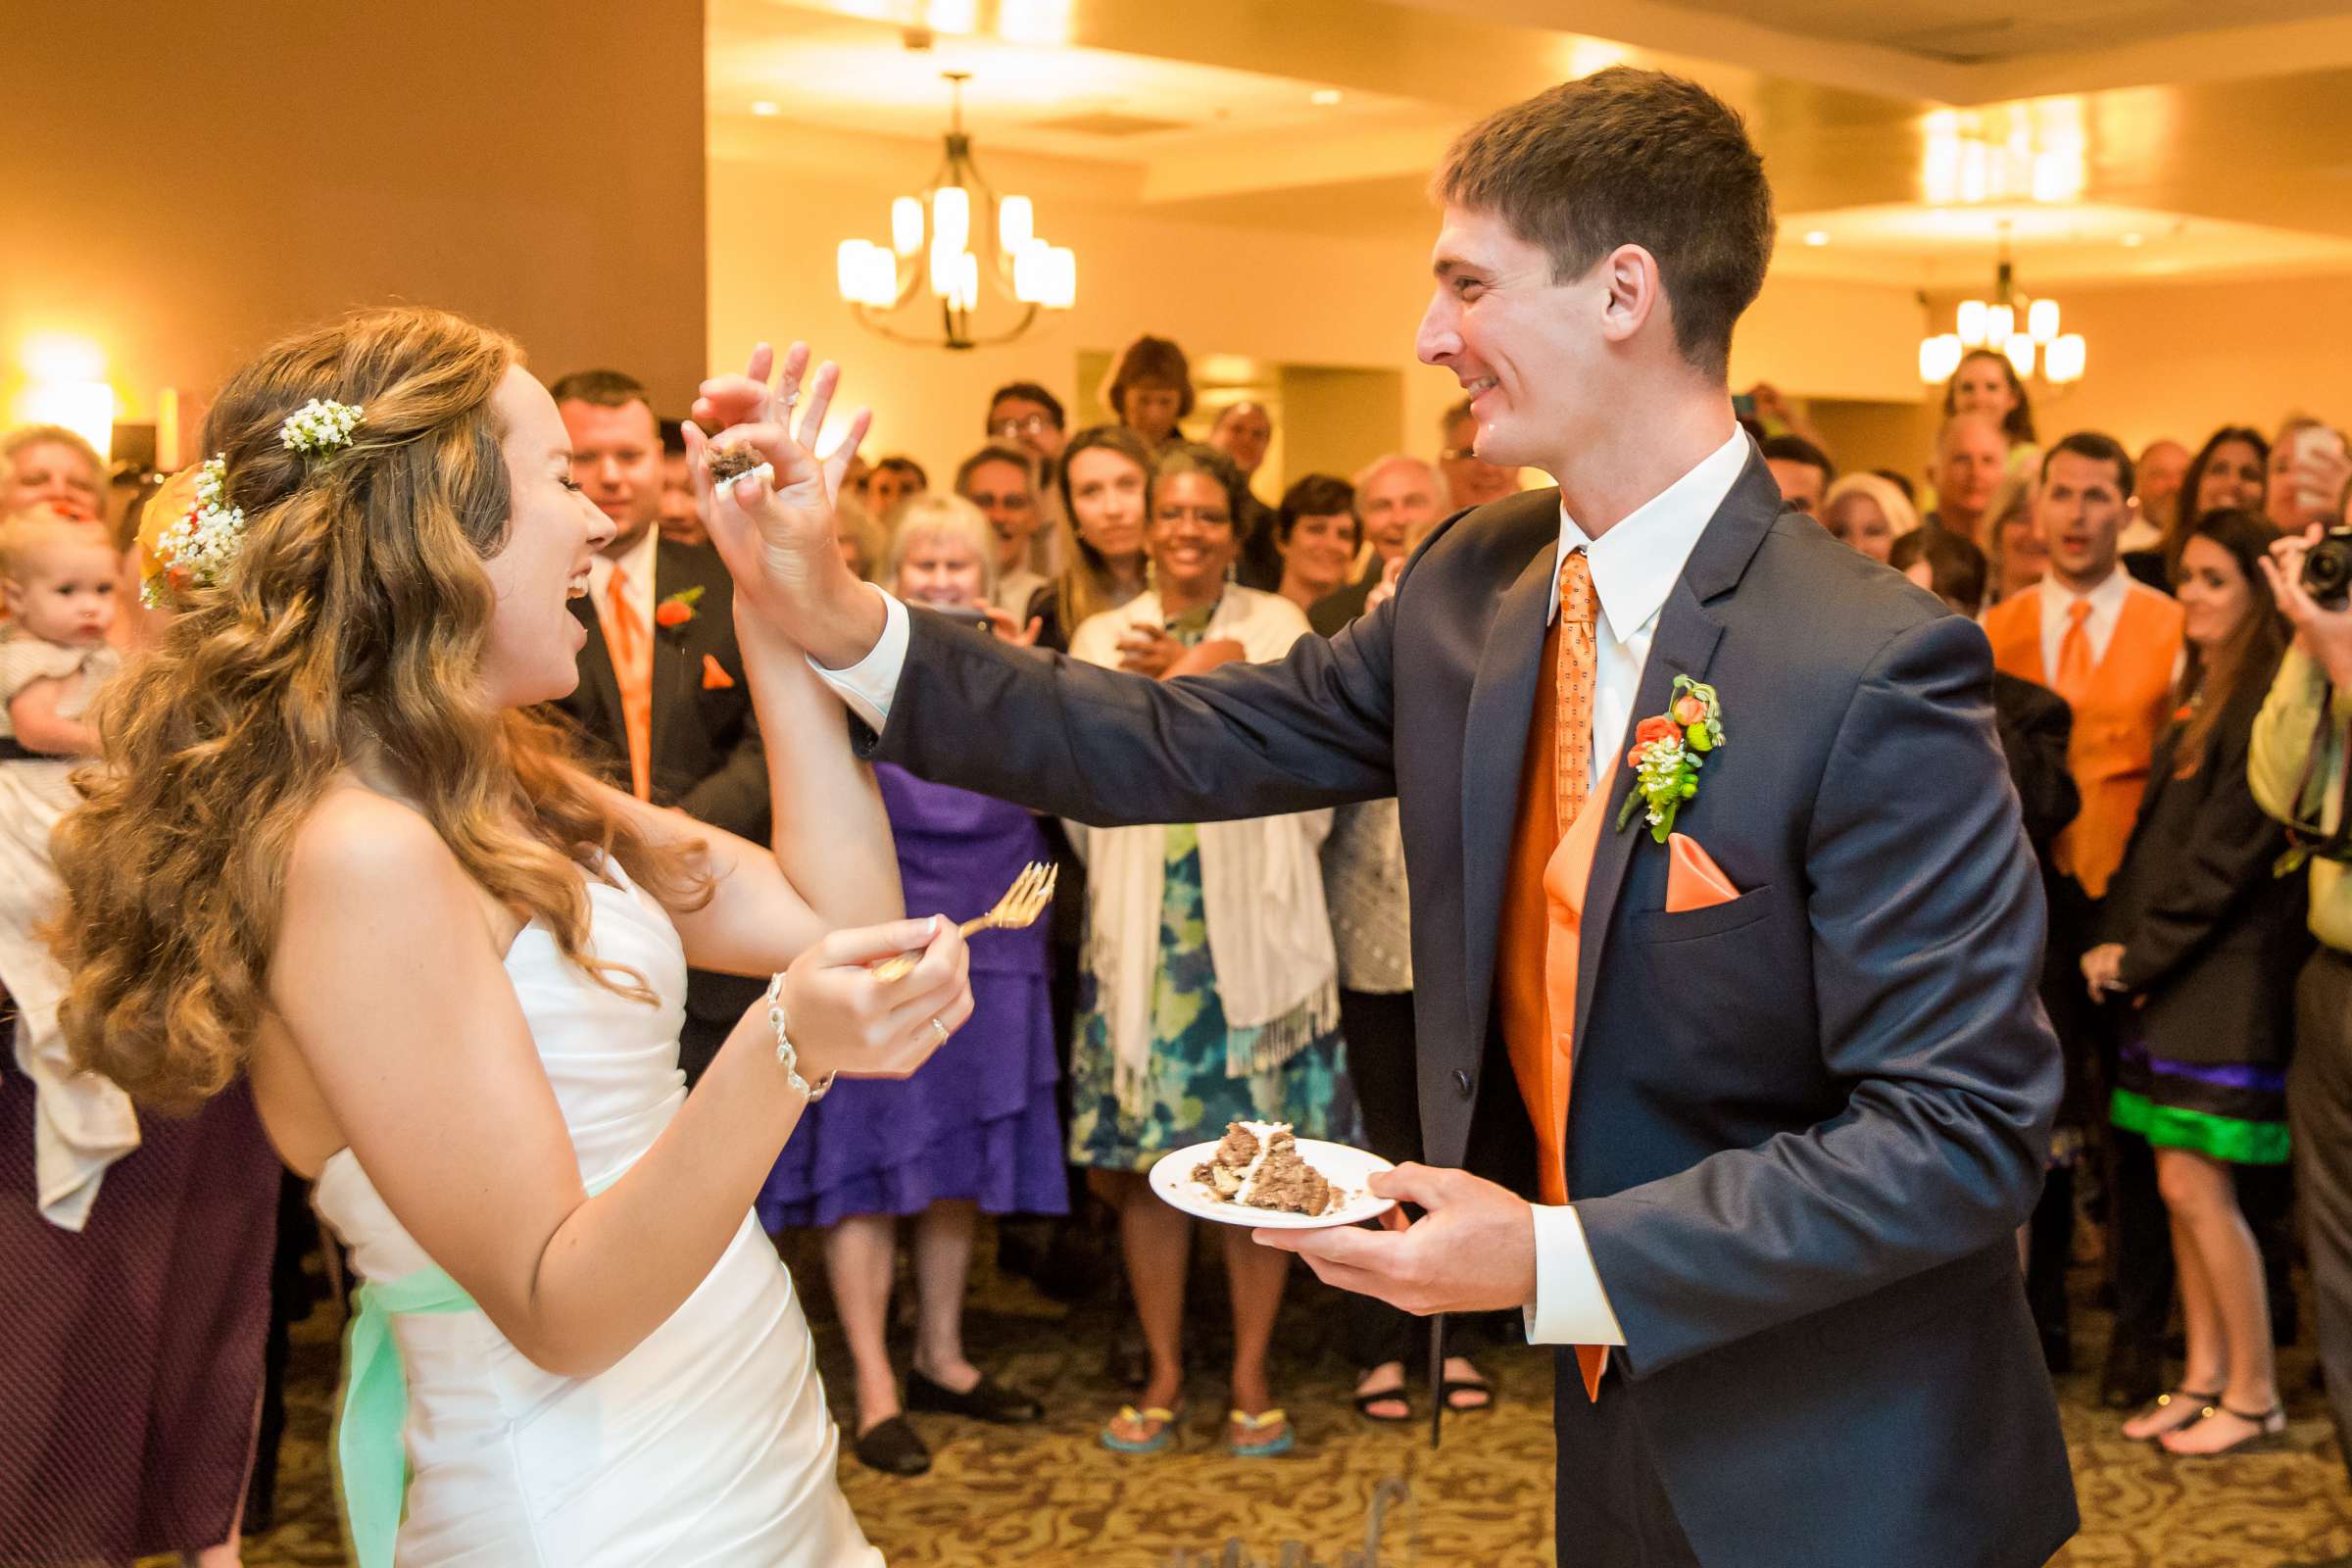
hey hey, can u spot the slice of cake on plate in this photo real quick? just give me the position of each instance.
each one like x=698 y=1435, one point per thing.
x=1257 y=1164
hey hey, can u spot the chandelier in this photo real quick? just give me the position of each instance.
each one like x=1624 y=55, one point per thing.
x=931 y=252
x=2022 y=328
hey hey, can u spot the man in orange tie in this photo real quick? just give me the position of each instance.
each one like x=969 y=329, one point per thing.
x=2110 y=646
x=1745 y=1051
x=662 y=696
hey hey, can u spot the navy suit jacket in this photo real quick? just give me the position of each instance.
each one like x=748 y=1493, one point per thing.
x=1803 y=1124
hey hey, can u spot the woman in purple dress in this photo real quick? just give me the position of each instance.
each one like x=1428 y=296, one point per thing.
x=976 y=1128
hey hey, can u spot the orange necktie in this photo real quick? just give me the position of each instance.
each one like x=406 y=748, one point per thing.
x=1579 y=815
x=625 y=639
x=2074 y=663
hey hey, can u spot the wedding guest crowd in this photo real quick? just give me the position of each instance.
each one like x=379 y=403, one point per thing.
x=2168 y=697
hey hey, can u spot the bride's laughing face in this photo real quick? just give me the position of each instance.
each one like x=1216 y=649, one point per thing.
x=535 y=641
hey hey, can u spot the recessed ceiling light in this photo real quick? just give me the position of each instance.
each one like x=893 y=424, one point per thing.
x=1324 y=97
x=1818 y=237
x=764 y=109
x=2134 y=239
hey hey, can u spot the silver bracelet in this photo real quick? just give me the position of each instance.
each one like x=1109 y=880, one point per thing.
x=788 y=1056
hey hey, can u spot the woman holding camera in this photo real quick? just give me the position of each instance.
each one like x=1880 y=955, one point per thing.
x=2203 y=942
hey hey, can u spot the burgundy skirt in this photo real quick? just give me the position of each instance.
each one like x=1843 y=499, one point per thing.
x=131 y=1354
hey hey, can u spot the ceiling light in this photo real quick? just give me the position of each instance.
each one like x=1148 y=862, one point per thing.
x=1324 y=97
x=939 y=237
x=1818 y=237
x=1995 y=324
x=765 y=110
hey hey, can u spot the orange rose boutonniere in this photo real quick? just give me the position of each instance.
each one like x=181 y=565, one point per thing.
x=677 y=609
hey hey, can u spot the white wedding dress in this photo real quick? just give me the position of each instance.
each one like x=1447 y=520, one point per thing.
x=710 y=1443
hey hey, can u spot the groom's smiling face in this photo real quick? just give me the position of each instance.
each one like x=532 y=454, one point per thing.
x=1525 y=348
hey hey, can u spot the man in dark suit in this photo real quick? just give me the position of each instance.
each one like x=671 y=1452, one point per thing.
x=1781 y=1083
x=662 y=698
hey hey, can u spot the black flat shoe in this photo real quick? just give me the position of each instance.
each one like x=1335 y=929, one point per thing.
x=986 y=1401
x=892 y=1448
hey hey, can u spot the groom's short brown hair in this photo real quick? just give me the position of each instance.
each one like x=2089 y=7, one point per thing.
x=1627 y=157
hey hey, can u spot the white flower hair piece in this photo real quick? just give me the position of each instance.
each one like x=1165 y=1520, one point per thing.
x=319 y=426
x=196 y=550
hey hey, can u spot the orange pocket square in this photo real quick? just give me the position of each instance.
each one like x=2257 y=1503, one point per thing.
x=715 y=679
x=1692 y=881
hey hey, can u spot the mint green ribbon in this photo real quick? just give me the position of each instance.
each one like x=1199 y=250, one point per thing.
x=370 y=1432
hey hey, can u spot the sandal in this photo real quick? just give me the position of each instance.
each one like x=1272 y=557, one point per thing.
x=1162 y=1421
x=1449 y=1387
x=2179 y=1407
x=1242 y=1434
x=2270 y=1428
x=1395 y=1396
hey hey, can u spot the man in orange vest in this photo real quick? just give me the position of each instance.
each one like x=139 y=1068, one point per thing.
x=1748 y=1034
x=2111 y=647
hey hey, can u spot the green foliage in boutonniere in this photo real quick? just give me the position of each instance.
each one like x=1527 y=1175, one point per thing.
x=1667 y=753
x=677 y=609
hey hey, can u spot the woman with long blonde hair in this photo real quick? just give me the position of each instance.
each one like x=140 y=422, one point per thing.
x=327 y=848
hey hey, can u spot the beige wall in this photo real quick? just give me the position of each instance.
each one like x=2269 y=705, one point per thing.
x=186 y=181
x=2180 y=360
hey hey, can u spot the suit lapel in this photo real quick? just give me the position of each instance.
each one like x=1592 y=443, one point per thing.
x=596 y=674
x=1502 y=695
x=669 y=652
x=1688 y=634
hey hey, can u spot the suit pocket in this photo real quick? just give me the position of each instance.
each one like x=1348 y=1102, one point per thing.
x=1689 y=925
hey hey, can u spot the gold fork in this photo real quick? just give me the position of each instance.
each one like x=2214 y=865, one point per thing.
x=1016 y=911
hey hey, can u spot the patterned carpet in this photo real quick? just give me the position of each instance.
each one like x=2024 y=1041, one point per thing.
x=1046 y=1496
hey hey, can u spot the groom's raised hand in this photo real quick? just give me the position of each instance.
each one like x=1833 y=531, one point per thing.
x=1473 y=1249
x=795 y=573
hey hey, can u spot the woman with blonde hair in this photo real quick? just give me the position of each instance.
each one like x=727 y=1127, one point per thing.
x=1867 y=513
x=330 y=850
x=2015 y=557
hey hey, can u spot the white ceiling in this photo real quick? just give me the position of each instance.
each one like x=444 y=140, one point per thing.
x=2225 y=158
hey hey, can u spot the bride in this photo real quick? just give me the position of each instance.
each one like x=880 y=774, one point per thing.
x=329 y=848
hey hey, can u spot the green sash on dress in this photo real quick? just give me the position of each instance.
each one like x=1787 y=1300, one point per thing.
x=372 y=1427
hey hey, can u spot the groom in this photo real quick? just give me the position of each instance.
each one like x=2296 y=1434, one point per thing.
x=1779 y=1086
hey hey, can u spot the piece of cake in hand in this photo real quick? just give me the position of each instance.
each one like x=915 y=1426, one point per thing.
x=1257 y=1164
x=729 y=463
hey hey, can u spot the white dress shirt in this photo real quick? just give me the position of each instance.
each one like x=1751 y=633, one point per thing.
x=2106 y=602
x=637 y=566
x=1635 y=566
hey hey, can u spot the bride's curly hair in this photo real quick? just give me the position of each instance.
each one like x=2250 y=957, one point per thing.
x=353 y=621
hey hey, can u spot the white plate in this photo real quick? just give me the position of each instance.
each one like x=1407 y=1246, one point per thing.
x=1346 y=1168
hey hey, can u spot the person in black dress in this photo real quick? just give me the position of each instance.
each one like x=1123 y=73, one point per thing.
x=2202 y=945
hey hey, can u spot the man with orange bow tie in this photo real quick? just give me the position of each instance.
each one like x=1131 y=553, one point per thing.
x=1725 y=930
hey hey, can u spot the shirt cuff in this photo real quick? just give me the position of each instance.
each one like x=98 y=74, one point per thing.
x=1570 y=1306
x=868 y=685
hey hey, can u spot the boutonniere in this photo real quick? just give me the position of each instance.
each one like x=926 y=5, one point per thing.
x=677 y=609
x=1668 y=751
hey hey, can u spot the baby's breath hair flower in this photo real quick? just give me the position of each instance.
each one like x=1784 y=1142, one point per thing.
x=319 y=426
x=195 y=549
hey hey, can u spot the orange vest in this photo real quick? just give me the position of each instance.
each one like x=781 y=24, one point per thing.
x=2115 y=727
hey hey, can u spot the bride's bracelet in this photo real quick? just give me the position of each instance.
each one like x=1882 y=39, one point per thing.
x=788 y=1056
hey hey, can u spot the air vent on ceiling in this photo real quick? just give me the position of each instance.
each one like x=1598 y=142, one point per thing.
x=1108 y=123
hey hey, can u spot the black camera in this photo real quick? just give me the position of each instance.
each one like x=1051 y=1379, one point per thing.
x=2327 y=569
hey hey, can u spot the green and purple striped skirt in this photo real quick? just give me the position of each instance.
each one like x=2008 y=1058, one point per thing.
x=2233 y=1113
